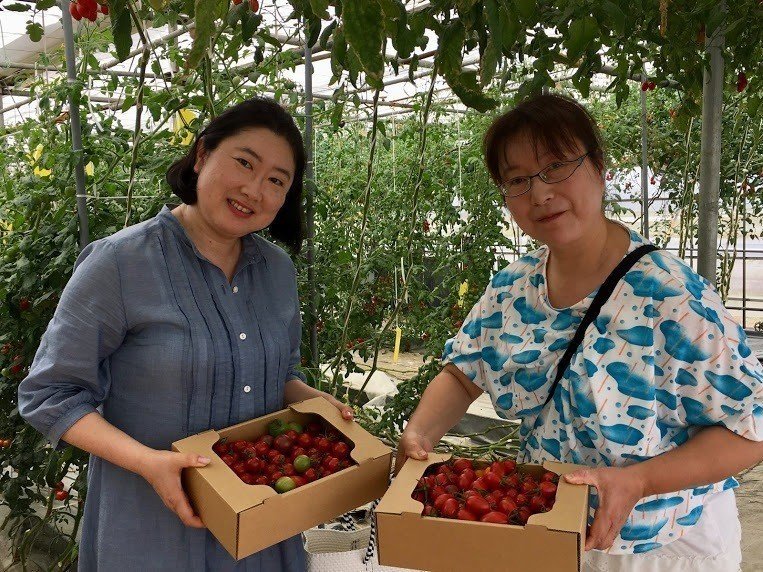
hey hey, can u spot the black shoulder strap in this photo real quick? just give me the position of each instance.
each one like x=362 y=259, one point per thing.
x=605 y=291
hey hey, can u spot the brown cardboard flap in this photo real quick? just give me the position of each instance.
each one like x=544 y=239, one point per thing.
x=397 y=499
x=571 y=514
x=366 y=445
x=238 y=494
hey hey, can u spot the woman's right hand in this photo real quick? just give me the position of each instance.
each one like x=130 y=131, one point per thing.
x=413 y=445
x=162 y=470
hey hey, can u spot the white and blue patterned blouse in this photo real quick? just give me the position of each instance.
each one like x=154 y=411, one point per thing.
x=153 y=334
x=663 y=359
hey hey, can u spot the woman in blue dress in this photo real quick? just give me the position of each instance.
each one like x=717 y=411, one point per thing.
x=185 y=322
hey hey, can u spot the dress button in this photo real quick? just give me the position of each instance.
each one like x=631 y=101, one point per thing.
x=247 y=389
x=235 y=289
x=242 y=335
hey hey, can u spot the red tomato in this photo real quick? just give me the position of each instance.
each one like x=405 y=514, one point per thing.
x=462 y=464
x=304 y=440
x=310 y=475
x=492 y=480
x=288 y=469
x=331 y=463
x=228 y=460
x=523 y=514
x=537 y=504
x=292 y=434
x=429 y=510
x=477 y=505
x=464 y=514
x=441 y=479
x=275 y=476
x=239 y=446
x=522 y=499
x=341 y=450
x=299 y=480
x=547 y=489
x=296 y=452
x=497 y=468
x=254 y=465
x=450 y=508
x=550 y=477
x=261 y=480
x=323 y=444
x=74 y=10
x=511 y=493
x=509 y=466
x=239 y=468
x=267 y=439
x=480 y=485
x=254 y=5
x=62 y=495
x=529 y=486
x=283 y=443
x=464 y=482
x=507 y=505
x=248 y=478
x=495 y=517
x=440 y=500
x=261 y=449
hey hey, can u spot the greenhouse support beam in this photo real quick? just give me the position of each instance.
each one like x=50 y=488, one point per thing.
x=107 y=65
x=644 y=169
x=710 y=161
x=309 y=176
x=33 y=67
x=76 y=130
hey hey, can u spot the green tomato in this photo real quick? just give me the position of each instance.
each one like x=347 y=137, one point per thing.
x=296 y=426
x=277 y=427
x=285 y=484
x=301 y=463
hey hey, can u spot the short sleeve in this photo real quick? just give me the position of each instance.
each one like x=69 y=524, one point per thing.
x=67 y=379
x=710 y=375
x=464 y=350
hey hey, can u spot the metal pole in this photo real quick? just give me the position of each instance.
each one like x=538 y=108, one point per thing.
x=710 y=165
x=76 y=129
x=2 y=115
x=310 y=208
x=644 y=170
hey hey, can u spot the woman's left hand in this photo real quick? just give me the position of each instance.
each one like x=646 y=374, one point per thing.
x=344 y=409
x=619 y=489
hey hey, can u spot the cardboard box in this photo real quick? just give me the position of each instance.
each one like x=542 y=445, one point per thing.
x=550 y=542
x=248 y=518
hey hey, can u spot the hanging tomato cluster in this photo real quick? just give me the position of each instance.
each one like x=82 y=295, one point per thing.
x=87 y=9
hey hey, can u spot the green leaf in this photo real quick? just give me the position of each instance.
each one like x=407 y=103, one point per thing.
x=449 y=51
x=323 y=41
x=17 y=7
x=158 y=5
x=489 y=62
x=616 y=15
x=121 y=28
x=582 y=32
x=338 y=52
x=364 y=31
x=45 y=4
x=313 y=31
x=526 y=8
x=466 y=88
x=412 y=67
x=509 y=26
x=320 y=8
x=34 y=31
x=205 y=28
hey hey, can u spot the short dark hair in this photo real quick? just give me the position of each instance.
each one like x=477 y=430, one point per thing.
x=552 y=121
x=289 y=224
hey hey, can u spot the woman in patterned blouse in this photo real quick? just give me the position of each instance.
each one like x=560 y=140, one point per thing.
x=662 y=399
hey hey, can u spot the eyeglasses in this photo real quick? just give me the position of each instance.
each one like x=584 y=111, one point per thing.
x=556 y=172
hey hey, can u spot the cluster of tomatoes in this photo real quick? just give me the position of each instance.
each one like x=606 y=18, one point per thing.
x=497 y=493
x=648 y=85
x=87 y=9
x=254 y=5
x=287 y=456
x=59 y=491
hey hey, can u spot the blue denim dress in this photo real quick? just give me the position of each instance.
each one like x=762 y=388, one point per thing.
x=152 y=335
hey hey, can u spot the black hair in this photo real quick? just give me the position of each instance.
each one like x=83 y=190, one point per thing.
x=289 y=224
x=553 y=121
